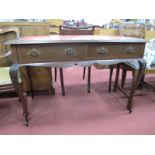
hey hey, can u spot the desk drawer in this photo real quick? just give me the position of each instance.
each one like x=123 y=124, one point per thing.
x=47 y=53
x=115 y=51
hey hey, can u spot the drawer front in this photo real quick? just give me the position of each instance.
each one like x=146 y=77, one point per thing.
x=50 y=53
x=115 y=51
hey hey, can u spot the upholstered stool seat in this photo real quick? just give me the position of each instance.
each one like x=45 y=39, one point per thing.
x=4 y=76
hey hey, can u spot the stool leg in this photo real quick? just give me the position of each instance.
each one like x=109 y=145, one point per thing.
x=117 y=77
x=110 y=77
x=84 y=70
x=89 y=76
x=124 y=71
x=55 y=69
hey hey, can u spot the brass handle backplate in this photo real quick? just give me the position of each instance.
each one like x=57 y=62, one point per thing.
x=102 y=50
x=33 y=52
x=70 y=51
x=129 y=49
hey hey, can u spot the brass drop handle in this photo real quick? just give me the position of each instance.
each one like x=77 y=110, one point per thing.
x=33 y=52
x=102 y=50
x=129 y=49
x=70 y=51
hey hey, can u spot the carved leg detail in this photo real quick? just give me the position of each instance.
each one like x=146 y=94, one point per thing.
x=14 y=77
x=142 y=65
x=28 y=70
x=140 y=86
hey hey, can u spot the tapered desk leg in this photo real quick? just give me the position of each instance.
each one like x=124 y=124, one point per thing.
x=142 y=65
x=14 y=77
x=62 y=82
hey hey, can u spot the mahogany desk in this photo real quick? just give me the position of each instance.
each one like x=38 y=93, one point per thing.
x=62 y=51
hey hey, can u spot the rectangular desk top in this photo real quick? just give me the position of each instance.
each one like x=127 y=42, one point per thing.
x=74 y=39
x=73 y=48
